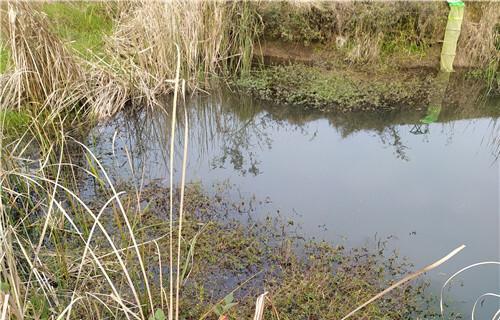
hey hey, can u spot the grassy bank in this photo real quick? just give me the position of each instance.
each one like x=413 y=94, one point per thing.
x=108 y=56
x=101 y=57
x=379 y=32
x=363 y=56
x=82 y=25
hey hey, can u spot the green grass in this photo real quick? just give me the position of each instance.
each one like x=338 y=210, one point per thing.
x=4 y=57
x=82 y=24
x=402 y=28
x=490 y=75
x=13 y=121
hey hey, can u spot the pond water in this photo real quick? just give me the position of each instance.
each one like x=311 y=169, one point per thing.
x=353 y=179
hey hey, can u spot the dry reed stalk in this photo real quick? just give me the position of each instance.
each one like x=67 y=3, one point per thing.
x=109 y=94
x=406 y=279
x=479 y=36
x=44 y=72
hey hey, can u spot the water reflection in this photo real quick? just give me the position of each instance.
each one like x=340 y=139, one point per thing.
x=230 y=131
x=429 y=186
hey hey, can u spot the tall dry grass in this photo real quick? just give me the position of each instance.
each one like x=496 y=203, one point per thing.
x=365 y=31
x=62 y=257
x=214 y=38
x=44 y=73
x=361 y=31
x=42 y=68
x=480 y=36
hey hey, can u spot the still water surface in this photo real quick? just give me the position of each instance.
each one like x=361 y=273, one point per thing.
x=350 y=179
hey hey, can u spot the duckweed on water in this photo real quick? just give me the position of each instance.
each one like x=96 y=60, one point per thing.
x=328 y=90
x=232 y=258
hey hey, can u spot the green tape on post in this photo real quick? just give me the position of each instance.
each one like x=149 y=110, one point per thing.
x=436 y=98
x=453 y=3
x=453 y=27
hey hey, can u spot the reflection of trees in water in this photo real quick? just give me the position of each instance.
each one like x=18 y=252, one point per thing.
x=390 y=136
x=233 y=127
x=236 y=147
x=458 y=98
x=253 y=119
x=230 y=131
x=494 y=139
x=242 y=128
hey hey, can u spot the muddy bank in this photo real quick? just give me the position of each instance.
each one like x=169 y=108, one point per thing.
x=367 y=57
x=275 y=52
x=344 y=89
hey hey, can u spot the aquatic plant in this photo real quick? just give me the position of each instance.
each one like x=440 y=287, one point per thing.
x=67 y=256
x=315 y=88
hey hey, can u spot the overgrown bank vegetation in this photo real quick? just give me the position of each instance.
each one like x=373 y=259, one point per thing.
x=103 y=56
x=137 y=60
x=362 y=32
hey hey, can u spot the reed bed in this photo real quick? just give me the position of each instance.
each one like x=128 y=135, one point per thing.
x=42 y=67
x=63 y=257
x=60 y=257
x=43 y=73
x=214 y=38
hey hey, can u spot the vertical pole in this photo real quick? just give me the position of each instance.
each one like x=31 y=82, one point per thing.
x=440 y=84
x=453 y=27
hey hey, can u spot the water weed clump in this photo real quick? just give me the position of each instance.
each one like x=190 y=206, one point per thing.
x=229 y=260
x=332 y=90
